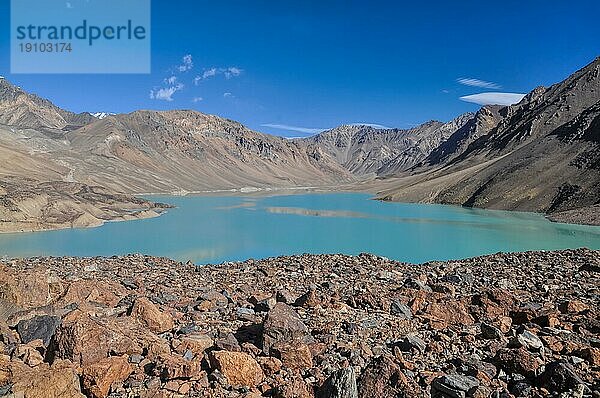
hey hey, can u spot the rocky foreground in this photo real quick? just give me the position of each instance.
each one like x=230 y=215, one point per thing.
x=506 y=325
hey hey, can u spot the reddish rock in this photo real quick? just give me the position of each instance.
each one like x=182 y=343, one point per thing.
x=239 y=368
x=590 y=354
x=270 y=365
x=57 y=381
x=295 y=388
x=170 y=367
x=283 y=325
x=294 y=355
x=29 y=355
x=573 y=307
x=448 y=313
x=82 y=291
x=196 y=343
x=517 y=361
x=100 y=376
x=383 y=378
x=149 y=314
x=86 y=341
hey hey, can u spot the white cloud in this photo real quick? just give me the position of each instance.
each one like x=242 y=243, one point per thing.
x=377 y=126
x=228 y=95
x=229 y=72
x=165 y=93
x=171 y=80
x=467 y=81
x=232 y=71
x=188 y=63
x=197 y=99
x=305 y=130
x=494 y=98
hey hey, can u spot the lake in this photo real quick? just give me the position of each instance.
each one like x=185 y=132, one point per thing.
x=208 y=229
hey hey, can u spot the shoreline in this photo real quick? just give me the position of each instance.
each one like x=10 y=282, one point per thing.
x=296 y=326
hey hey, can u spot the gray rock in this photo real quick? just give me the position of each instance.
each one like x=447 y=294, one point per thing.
x=341 y=384
x=528 y=340
x=455 y=386
x=410 y=342
x=413 y=283
x=400 y=309
x=491 y=332
x=39 y=327
x=559 y=376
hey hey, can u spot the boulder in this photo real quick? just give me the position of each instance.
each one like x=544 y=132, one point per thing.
x=169 y=366
x=39 y=327
x=442 y=314
x=86 y=340
x=455 y=386
x=149 y=314
x=400 y=309
x=294 y=355
x=196 y=343
x=283 y=325
x=99 y=377
x=239 y=368
x=559 y=377
x=341 y=384
x=517 y=361
x=383 y=378
x=57 y=381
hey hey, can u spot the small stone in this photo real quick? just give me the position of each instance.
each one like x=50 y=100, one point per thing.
x=528 y=340
x=410 y=342
x=400 y=310
x=491 y=332
x=239 y=368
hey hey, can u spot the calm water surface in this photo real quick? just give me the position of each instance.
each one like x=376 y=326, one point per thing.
x=216 y=229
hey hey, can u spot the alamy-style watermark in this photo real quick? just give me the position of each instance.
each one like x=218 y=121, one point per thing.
x=80 y=36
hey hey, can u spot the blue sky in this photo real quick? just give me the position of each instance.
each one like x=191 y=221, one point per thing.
x=319 y=64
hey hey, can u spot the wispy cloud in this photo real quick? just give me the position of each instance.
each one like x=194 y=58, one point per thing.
x=494 y=98
x=228 y=95
x=468 y=81
x=305 y=130
x=197 y=99
x=374 y=125
x=228 y=73
x=165 y=93
x=187 y=63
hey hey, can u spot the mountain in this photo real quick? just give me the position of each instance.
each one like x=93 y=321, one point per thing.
x=19 y=108
x=543 y=155
x=365 y=150
x=148 y=151
x=479 y=125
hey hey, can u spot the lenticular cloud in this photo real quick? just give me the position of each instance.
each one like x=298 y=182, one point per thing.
x=494 y=98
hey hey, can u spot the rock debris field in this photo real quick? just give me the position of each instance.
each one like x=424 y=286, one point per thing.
x=323 y=326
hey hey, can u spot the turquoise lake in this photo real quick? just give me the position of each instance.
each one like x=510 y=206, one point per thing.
x=216 y=229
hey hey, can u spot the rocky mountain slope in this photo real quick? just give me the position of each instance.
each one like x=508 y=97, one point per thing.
x=148 y=151
x=542 y=156
x=327 y=326
x=365 y=150
x=19 y=108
